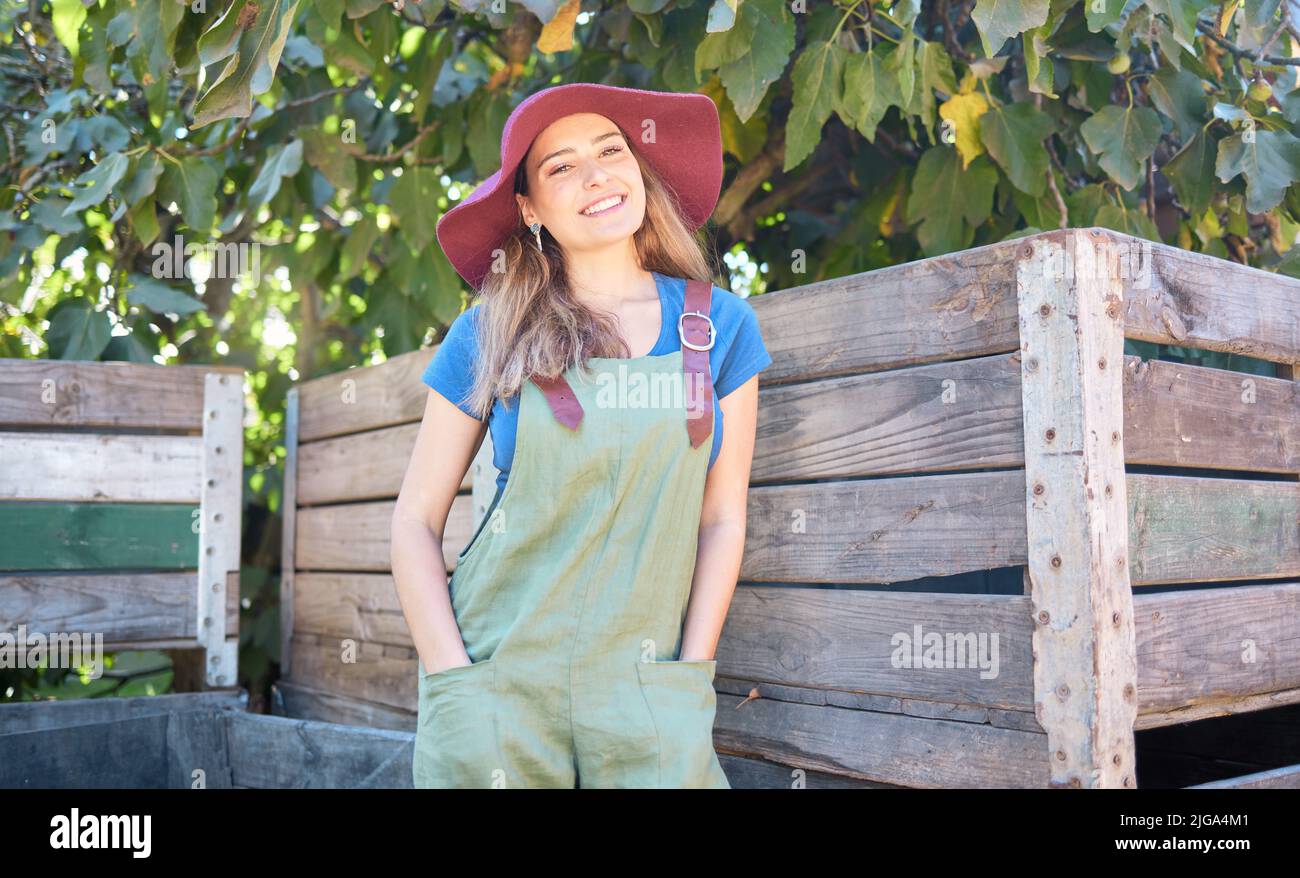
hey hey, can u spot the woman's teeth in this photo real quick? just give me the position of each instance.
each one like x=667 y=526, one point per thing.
x=602 y=206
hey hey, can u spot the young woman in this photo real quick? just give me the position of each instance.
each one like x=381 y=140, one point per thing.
x=573 y=645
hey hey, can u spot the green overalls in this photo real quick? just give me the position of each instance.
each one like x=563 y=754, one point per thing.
x=571 y=596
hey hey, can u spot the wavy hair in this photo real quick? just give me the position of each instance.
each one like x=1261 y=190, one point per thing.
x=531 y=324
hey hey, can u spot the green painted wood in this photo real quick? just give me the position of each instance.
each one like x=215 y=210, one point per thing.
x=98 y=536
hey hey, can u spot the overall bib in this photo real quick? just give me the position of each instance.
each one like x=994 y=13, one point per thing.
x=571 y=596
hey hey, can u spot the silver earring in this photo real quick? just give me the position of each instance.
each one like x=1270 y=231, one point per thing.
x=536 y=229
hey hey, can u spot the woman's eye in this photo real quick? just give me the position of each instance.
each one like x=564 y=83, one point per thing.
x=555 y=170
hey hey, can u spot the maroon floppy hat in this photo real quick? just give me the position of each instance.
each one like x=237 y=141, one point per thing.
x=686 y=153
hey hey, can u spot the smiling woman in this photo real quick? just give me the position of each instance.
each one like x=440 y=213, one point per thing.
x=583 y=248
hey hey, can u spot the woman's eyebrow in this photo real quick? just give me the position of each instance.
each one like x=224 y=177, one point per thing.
x=544 y=159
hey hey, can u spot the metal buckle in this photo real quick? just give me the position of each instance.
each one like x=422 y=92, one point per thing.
x=681 y=332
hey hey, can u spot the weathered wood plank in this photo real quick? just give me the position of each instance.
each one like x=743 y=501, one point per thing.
x=87 y=536
x=356 y=536
x=289 y=529
x=941 y=308
x=884 y=530
x=1191 y=529
x=124 y=607
x=944 y=416
x=100 y=467
x=746 y=773
x=359 y=466
x=1274 y=779
x=302 y=702
x=373 y=672
x=1201 y=301
x=339 y=605
x=867 y=641
x=73 y=393
x=219 y=525
x=364 y=398
x=1084 y=663
x=882 y=747
x=1208 y=645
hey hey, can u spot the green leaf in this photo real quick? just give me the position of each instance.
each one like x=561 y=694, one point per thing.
x=1000 y=20
x=98 y=182
x=1130 y=222
x=283 y=160
x=488 y=112
x=411 y=197
x=361 y=239
x=251 y=69
x=1014 y=138
x=160 y=298
x=192 y=184
x=1123 y=138
x=1191 y=172
x=948 y=201
x=77 y=331
x=328 y=154
x=869 y=90
x=1270 y=164
x=144 y=181
x=144 y=222
x=818 y=88
x=1179 y=95
x=770 y=40
x=722 y=16
x=137 y=346
x=50 y=215
x=66 y=20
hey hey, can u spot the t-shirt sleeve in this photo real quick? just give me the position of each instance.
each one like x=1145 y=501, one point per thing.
x=450 y=371
x=747 y=355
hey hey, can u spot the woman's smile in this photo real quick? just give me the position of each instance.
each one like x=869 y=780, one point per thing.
x=605 y=206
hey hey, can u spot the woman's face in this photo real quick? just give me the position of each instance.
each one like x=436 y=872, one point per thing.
x=576 y=162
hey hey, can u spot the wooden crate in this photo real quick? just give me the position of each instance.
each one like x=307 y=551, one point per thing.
x=120 y=501
x=969 y=412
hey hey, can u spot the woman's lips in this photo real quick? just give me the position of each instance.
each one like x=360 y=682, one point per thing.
x=607 y=210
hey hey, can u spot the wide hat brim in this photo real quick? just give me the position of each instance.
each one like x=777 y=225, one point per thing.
x=686 y=152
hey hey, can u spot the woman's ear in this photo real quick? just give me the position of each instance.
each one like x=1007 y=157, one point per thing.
x=522 y=201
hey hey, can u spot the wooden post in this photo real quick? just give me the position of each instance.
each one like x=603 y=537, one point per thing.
x=220 y=505
x=289 y=521
x=1071 y=311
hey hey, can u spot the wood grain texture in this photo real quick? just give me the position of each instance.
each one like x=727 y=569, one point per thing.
x=274 y=752
x=100 y=467
x=74 y=393
x=364 y=398
x=356 y=536
x=359 y=466
x=1085 y=667
x=89 y=536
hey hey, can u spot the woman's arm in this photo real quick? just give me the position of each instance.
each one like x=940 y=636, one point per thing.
x=722 y=525
x=446 y=444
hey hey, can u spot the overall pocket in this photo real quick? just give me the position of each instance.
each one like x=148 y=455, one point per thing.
x=683 y=706
x=456 y=729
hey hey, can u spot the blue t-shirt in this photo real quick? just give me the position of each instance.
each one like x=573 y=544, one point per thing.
x=737 y=354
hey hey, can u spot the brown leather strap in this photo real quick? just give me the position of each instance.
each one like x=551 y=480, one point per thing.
x=564 y=403
x=695 y=364
x=697 y=330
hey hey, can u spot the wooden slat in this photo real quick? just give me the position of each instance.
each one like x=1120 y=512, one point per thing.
x=883 y=747
x=123 y=607
x=72 y=393
x=356 y=536
x=359 y=466
x=862 y=641
x=219 y=529
x=100 y=467
x=88 y=536
x=339 y=605
x=303 y=702
x=944 y=416
x=885 y=530
x=1190 y=529
x=1084 y=666
x=364 y=398
x=941 y=308
x=1274 y=779
x=1210 y=645
x=274 y=752
x=379 y=674
x=1181 y=415
x=1201 y=301
x=289 y=529
x=748 y=773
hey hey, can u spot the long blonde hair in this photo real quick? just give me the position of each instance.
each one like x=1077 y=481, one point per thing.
x=530 y=323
